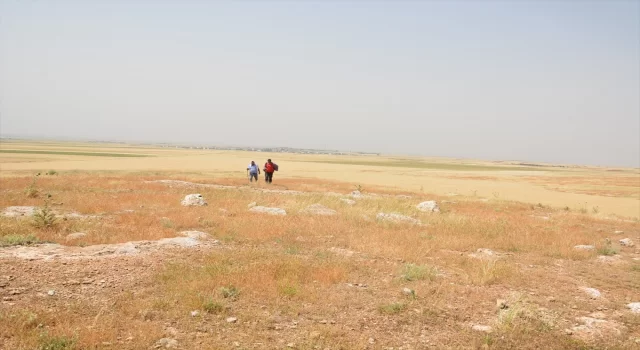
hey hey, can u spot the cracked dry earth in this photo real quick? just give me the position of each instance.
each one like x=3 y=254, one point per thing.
x=334 y=281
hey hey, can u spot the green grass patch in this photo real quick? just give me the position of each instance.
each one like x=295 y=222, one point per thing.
x=56 y=343
x=412 y=272
x=71 y=153
x=426 y=165
x=393 y=308
x=13 y=239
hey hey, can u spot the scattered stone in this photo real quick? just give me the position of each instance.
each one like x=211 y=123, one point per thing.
x=232 y=320
x=251 y=205
x=319 y=209
x=592 y=292
x=51 y=293
x=348 y=201
x=593 y=328
x=291 y=345
x=314 y=335
x=408 y=291
x=341 y=251
x=266 y=210
x=397 y=218
x=19 y=211
x=179 y=242
x=584 y=247
x=609 y=259
x=634 y=307
x=371 y=340
x=618 y=232
x=171 y=331
x=481 y=328
x=195 y=235
x=74 y=236
x=195 y=199
x=627 y=242
x=484 y=253
x=545 y=218
x=195 y=313
x=356 y=194
x=429 y=206
x=502 y=304
x=168 y=343
x=236 y=344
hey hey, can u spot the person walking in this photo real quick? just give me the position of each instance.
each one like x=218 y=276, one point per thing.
x=269 y=168
x=253 y=171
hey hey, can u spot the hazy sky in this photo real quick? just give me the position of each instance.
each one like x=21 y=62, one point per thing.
x=531 y=80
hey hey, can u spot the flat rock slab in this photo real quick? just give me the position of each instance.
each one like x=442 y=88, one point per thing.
x=19 y=211
x=348 y=201
x=319 y=209
x=592 y=329
x=194 y=199
x=484 y=253
x=397 y=218
x=29 y=211
x=267 y=210
x=50 y=251
x=634 y=307
x=592 y=292
x=429 y=207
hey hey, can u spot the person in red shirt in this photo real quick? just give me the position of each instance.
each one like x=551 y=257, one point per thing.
x=269 y=168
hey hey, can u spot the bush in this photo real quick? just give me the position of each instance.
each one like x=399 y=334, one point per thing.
x=52 y=172
x=44 y=217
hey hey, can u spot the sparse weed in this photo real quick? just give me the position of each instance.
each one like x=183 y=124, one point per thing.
x=287 y=290
x=51 y=172
x=412 y=272
x=47 y=342
x=31 y=191
x=167 y=223
x=392 y=308
x=16 y=239
x=596 y=210
x=230 y=292
x=607 y=249
x=212 y=307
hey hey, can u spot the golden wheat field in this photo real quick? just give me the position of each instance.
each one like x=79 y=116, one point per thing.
x=98 y=252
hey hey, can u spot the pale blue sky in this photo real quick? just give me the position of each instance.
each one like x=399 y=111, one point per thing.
x=555 y=81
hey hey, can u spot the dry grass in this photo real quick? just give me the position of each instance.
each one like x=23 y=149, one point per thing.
x=281 y=279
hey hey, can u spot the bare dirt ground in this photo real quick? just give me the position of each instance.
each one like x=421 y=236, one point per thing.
x=123 y=265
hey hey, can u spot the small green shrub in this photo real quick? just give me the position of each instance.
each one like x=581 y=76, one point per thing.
x=10 y=240
x=31 y=191
x=56 y=343
x=607 y=250
x=44 y=217
x=392 y=308
x=413 y=272
x=212 y=307
x=230 y=292
x=288 y=290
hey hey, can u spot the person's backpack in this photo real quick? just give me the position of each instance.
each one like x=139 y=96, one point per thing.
x=275 y=166
x=269 y=167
